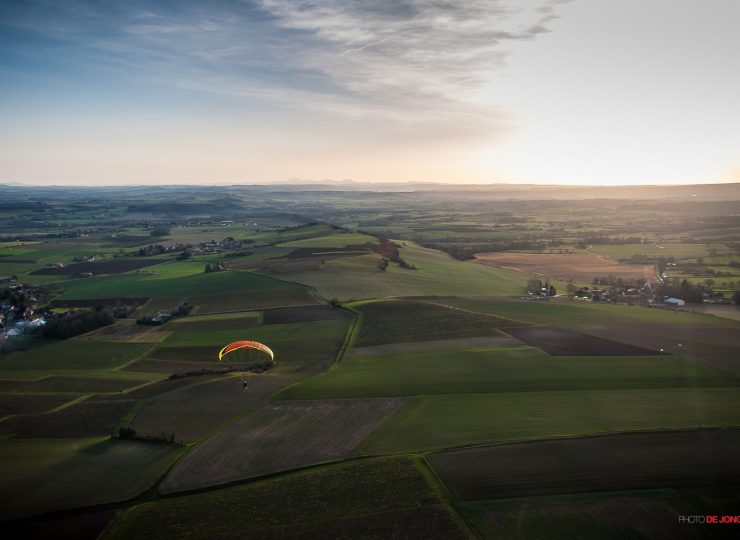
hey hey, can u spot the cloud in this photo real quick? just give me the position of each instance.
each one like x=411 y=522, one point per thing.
x=409 y=50
x=413 y=62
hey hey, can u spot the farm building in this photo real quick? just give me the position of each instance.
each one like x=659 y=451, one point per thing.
x=674 y=302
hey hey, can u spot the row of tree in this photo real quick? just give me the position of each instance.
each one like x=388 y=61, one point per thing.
x=75 y=323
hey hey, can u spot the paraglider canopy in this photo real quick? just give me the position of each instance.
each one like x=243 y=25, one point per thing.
x=246 y=346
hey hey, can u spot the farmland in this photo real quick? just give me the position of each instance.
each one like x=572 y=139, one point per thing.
x=191 y=412
x=623 y=461
x=357 y=278
x=378 y=498
x=95 y=268
x=468 y=368
x=324 y=430
x=416 y=392
x=711 y=340
x=41 y=476
x=577 y=267
x=74 y=355
x=77 y=421
x=611 y=515
x=401 y=321
x=441 y=421
x=296 y=345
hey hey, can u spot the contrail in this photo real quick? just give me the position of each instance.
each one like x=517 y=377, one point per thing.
x=357 y=49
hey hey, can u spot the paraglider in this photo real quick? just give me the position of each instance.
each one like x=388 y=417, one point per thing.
x=246 y=347
x=246 y=352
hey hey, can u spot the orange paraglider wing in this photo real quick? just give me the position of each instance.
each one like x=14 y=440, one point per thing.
x=246 y=345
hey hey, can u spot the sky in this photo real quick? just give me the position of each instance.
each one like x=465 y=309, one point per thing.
x=458 y=91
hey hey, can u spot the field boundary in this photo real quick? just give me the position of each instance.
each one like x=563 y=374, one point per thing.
x=444 y=494
x=598 y=435
x=350 y=337
x=120 y=504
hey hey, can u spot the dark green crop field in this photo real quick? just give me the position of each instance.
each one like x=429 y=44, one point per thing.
x=380 y=498
x=397 y=321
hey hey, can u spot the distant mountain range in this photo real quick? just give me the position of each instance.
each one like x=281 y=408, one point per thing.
x=703 y=192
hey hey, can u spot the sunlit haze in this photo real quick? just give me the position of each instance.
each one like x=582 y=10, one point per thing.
x=465 y=91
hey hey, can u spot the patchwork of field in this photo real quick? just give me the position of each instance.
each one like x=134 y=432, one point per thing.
x=280 y=436
x=77 y=421
x=78 y=525
x=41 y=476
x=404 y=320
x=176 y=279
x=75 y=385
x=29 y=404
x=155 y=388
x=681 y=250
x=560 y=342
x=303 y=314
x=287 y=296
x=435 y=345
x=126 y=330
x=357 y=278
x=297 y=346
x=725 y=311
x=499 y=411
x=378 y=498
x=338 y=240
x=73 y=355
x=712 y=340
x=188 y=413
x=608 y=516
x=576 y=266
x=454 y=420
x=206 y=323
x=607 y=463
x=500 y=368
x=117 y=266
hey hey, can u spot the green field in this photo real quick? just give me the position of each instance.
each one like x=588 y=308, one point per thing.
x=608 y=516
x=331 y=241
x=69 y=355
x=403 y=321
x=401 y=404
x=285 y=296
x=443 y=421
x=295 y=345
x=185 y=414
x=709 y=339
x=225 y=322
x=79 y=420
x=357 y=278
x=125 y=330
x=254 y=445
x=29 y=404
x=653 y=250
x=580 y=464
x=507 y=368
x=50 y=475
x=176 y=279
x=379 y=498
x=585 y=315
x=79 y=382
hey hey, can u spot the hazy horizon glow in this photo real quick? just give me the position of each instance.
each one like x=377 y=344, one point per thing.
x=463 y=91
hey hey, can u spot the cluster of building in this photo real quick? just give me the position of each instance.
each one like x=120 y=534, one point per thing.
x=17 y=318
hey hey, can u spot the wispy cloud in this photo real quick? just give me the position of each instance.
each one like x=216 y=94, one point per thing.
x=406 y=60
